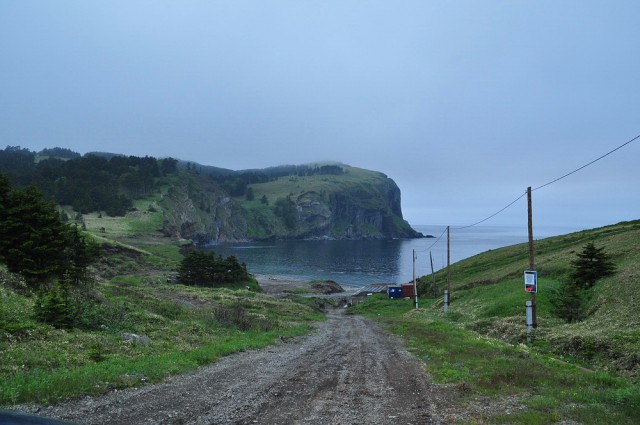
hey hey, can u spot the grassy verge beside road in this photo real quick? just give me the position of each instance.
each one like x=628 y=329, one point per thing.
x=585 y=371
x=488 y=297
x=142 y=330
x=491 y=381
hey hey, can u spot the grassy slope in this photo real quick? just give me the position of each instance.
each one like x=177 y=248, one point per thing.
x=487 y=381
x=478 y=351
x=284 y=186
x=185 y=326
x=488 y=296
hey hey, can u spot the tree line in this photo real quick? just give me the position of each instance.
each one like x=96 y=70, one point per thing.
x=89 y=183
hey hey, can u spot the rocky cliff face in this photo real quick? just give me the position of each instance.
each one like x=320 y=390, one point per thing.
x=360 y=205
x=371 y=212
x=197 y=209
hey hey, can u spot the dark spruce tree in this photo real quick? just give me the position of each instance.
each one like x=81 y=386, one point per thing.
x=286 y=210
x=35 y=243
x=51 y=256
x=32 y=238
x=591 y=265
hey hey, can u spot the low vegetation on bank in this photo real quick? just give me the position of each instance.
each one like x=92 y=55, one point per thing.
x=581 y=367
x=487 y=296
x=84 y=312
x=140 y=329
x=490 y=381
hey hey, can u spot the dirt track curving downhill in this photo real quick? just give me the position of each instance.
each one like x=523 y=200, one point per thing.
x=347 y=372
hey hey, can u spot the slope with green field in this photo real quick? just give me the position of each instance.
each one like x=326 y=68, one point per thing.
x=355 y=203
x=478 y=356
x=488 y=297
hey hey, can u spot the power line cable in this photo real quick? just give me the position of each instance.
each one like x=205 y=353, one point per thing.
x=586 y=165
x=435 y=242
x=551 y=182
x=492 y=215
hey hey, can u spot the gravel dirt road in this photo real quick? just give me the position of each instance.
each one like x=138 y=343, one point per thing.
x=346 y=372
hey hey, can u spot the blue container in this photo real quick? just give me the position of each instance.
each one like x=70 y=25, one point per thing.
x=394 y=292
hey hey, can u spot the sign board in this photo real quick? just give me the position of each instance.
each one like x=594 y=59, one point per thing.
x=530 y=281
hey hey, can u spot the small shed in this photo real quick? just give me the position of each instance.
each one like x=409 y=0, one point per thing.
x=372 y=288
x=407 y=290
x=394 y=292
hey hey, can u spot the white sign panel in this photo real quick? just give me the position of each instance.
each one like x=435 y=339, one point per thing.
x=530 y=281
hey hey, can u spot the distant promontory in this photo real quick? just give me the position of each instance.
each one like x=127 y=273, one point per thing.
x=208 y=204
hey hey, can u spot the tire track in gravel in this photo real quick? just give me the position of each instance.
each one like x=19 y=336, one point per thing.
x=346 y=372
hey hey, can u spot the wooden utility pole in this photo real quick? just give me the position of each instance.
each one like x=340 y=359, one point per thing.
x=531 y=259
x=415 y=287
x=435 y=286
x=448 y=265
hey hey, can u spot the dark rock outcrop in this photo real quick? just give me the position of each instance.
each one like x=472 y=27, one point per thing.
x=360 y=204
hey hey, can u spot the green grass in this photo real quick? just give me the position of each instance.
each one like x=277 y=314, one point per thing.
x=183 y=327
x=284 y=186
x=45 y=385
x=483 y=371
x=146 y=217
x=164 y=256
x=585 y=372
x=488 y=297
x=354 y=179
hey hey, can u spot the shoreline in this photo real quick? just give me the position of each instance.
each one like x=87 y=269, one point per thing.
x=286 y=285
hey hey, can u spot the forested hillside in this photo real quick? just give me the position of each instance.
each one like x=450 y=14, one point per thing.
x=209 y=204
x=87 y=184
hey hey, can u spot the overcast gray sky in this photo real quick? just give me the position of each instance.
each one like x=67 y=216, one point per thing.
x=463 y=103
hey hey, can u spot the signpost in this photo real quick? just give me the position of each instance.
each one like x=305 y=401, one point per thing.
x=530 y=286
x=531 y=281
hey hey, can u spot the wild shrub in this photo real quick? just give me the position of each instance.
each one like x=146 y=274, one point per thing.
x=93 y=314
x=53 y=307
x=568 y=301
x=199 y=268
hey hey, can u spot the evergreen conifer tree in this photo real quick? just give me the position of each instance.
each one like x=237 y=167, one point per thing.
x=591 y=265
x=33 y=237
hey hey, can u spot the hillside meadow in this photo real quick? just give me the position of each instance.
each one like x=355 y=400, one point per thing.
x=487 y=295
x=585 y=372
x=135 y=325
x=137 y=329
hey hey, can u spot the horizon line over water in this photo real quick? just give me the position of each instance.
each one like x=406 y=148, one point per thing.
x=469 y=241
x=361 y=262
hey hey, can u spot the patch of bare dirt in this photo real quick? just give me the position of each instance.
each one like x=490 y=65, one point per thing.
x=284 y=287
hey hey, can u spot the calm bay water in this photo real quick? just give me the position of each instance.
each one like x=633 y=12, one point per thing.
x=384 y=261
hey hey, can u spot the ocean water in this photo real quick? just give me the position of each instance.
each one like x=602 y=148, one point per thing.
x=380 y=261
